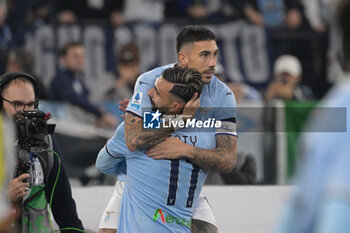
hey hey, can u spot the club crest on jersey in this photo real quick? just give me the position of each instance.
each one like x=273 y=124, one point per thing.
x=136 y=101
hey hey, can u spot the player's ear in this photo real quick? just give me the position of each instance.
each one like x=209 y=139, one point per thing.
x=176 y=107
x=182 y=59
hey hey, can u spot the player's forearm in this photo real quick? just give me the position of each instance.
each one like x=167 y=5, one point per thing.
x=139 y=139
x=222 y=158
x=214 y=159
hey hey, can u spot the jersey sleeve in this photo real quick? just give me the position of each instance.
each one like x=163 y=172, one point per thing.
x=111 y=158
x=225 y=110
x=140 y=100
x=116 y=146
x=107 y=164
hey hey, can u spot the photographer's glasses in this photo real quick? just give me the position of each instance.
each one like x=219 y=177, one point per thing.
x=20 y=106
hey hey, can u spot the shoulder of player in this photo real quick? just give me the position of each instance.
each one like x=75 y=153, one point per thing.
x=153 y=74
x=120 y=131
x=218 y=87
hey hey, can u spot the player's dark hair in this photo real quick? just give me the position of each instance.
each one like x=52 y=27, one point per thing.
x=68 y=46
x=193 y=33
x=344 y=23
x=187 y=82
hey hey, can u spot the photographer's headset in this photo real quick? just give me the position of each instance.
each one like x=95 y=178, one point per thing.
x=7 y=78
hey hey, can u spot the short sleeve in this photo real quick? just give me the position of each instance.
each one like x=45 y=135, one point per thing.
x=116 y=145
x=140 y=101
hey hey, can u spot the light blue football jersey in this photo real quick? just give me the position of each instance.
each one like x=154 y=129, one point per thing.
x=159 y=194
x=216 y=100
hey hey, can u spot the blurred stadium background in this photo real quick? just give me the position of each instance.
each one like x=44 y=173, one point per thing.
x=251 y=35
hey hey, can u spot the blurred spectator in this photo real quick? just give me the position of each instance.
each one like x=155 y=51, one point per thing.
x=244 y=171
x=243 y=91
x=23 y=14
x=286 y=83
x=128 y=69
x=322 y=15
x=270 y=12
x=68 y=84
x=192 y=9
x=42 y=12
x=5 y=32
x=17 y=19
x=5 y=35
x=147 y=11
x=320 y=200
x=20 y=60
x=90 y=10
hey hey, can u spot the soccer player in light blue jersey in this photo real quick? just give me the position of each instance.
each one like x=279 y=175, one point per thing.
x=159 y=194
x=196 y=48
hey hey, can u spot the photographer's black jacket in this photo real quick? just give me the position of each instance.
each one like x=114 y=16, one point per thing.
x=63 y=205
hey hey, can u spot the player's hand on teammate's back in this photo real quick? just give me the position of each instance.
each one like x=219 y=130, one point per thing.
x=123 y=104
x=170 y=148
x=191 y=107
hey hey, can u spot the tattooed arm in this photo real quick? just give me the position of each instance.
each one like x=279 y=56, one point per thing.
x=138 y=139
x=222 y=158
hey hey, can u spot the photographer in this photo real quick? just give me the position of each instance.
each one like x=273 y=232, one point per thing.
x=18 y=92
x=286 y=84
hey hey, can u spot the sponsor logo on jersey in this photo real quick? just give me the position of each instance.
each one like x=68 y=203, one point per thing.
x=160 y=216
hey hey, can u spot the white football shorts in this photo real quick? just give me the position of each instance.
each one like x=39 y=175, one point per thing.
x=110 y=216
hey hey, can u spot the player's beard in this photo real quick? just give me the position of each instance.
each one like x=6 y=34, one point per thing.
x=207 y=77
x=155 y=108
